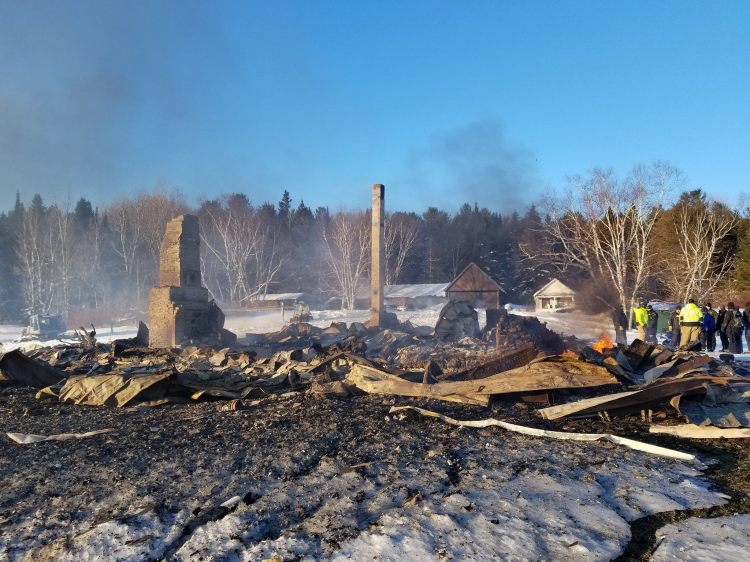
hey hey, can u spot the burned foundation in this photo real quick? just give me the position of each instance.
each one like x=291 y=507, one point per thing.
x=180 y=310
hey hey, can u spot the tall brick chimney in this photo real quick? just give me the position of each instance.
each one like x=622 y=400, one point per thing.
x=377 y=268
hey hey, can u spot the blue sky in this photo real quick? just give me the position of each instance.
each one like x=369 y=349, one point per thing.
x=443 y=102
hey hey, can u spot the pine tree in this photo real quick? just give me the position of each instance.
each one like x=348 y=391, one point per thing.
x=83 y=216
x=285 y=207
x=741 y=274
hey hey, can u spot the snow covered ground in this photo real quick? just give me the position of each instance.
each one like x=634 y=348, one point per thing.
x=569 y=512
x=585 y=327
x=701 y=540
x=10 y=335
x=332 y=480
x=562 y=502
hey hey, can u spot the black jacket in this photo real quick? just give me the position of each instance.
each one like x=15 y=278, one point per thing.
x=619 y=319
x=732 y=313
x=720 y=320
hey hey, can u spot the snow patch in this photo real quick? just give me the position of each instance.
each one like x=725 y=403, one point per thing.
x=703 y=540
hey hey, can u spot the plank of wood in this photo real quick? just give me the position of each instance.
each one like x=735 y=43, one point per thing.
x=498 y=364
x=693 y=431
x=661 y=389
x=532 y=378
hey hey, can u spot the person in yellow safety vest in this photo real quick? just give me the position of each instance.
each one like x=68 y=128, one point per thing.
x=640 y=315
x=690 y=323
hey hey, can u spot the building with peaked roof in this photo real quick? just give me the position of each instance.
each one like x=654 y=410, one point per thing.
x=554 y=294
x=475 y=287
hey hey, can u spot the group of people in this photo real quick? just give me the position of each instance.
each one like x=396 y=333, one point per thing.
x=692 y=323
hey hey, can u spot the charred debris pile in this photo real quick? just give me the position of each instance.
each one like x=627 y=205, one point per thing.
x=517 y=360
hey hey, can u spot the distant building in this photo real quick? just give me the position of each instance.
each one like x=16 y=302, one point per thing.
x=475 y=287
x=554 y=294
x=276 y=300
x=418 y=295
x=412 y=296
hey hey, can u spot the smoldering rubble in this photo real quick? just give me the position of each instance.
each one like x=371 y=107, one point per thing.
x=305 y=444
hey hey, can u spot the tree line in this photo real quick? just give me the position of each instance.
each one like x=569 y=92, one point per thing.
x=615 y=240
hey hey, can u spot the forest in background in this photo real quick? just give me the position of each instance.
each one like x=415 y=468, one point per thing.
x=613 y=239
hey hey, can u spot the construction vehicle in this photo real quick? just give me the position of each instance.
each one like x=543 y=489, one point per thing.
x=301 y=313
x=43 y=327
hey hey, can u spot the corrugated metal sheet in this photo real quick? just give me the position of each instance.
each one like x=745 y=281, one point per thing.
x=282 y=296
x=415 y=290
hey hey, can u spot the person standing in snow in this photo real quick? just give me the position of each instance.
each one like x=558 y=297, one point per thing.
x=690 y=323
x=712 y=336
x=651 y=325
x=708 y=331
x=674 y=326
x=720 y=317
x=640 y=316
x=620 y=322
x=746 y=324
x=733 y=328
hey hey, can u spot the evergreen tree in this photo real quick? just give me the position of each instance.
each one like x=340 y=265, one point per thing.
x=741 y=273
x=11 y=299
x=37 y=208
x=285 y=208
x=83 y=216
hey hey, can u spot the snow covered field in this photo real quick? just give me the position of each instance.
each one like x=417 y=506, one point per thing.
x=263 y=321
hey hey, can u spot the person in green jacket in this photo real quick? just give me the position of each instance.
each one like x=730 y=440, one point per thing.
x=640 y=316
x=691 y=317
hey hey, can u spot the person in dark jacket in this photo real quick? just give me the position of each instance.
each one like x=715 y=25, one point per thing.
x=746 y=324
x=721 y=316
x=732 y=327
x=620 y=322
x=674 y=326
x=653 y=319
x=712 y=336
x=708 y=330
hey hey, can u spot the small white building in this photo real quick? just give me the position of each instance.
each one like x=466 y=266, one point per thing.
x=554 y=294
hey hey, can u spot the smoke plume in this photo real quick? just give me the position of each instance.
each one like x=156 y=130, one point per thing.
x=475 y=163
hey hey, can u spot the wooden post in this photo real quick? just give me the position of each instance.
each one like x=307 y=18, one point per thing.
x=377 y=267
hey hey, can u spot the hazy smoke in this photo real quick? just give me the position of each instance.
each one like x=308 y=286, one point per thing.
x=475 y=163
x=88 y=88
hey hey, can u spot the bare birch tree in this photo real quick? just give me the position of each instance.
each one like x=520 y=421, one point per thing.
x=401 y=231
x=156 y=209
x=60 y=249
x=126 y=223
x=32 y=259
x=603 y=226
x=241 y=257
x=694 y=265
x=347 y=250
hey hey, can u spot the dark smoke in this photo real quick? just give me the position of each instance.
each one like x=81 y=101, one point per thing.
x=475 y=163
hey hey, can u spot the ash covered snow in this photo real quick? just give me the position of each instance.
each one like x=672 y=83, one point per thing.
x=320 y=479
x=704 y=540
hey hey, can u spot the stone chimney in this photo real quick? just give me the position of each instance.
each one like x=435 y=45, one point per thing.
x=179 y=309
x=377 y=268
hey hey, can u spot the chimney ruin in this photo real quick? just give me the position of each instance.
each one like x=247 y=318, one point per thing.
x=180 y=311
x=377 y=267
